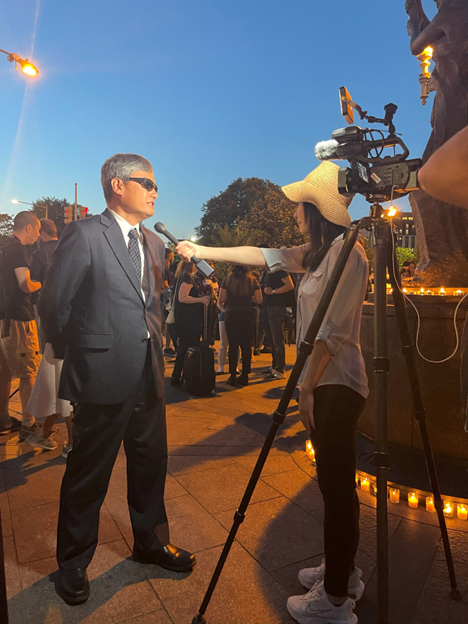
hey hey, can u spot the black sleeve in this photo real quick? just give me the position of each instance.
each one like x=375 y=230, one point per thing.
x=38 y=266
x=18 y=257
x=186 y=279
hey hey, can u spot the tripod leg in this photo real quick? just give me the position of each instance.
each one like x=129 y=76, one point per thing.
x=305 y=349
x=381 y=367
x=407 y=348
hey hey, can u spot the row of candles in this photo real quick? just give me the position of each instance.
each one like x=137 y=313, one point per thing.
x=413 y=497
x=442 y=292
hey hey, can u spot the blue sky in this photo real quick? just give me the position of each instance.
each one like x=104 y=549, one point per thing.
x=207 y=90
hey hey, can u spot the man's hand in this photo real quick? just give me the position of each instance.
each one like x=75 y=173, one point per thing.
x=268 y=290
x=306 y=409
x=187 y=249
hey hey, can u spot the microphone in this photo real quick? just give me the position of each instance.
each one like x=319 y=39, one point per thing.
x=327 y=150
x=201 y=265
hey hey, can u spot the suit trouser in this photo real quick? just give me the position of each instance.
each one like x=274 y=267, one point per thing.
x=98 y=431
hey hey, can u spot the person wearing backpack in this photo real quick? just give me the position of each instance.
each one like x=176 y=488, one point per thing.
x=19 y=345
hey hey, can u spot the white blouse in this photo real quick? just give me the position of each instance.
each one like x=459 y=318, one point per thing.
x=341 y=326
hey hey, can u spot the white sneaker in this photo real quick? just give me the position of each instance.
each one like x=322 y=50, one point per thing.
x=66 y=450
x=315 y=608
x=36 y=440
x=309 y=576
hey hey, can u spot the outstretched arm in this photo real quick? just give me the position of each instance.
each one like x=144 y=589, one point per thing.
x=251 y=256
x=445 y=175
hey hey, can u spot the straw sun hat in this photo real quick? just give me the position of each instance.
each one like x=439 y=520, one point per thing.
x=320 y=188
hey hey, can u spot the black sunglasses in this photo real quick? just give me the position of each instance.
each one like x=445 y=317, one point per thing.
x=146 y=183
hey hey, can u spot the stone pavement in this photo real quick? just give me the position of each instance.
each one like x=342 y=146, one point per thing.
x=213 y=446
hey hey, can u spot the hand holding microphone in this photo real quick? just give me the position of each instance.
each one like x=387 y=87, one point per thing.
x=201 y=265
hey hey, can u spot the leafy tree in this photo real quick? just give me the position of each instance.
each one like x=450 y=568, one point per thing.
x=6 y=227
x=403 y=255
x=232 y=205
x=55 y=210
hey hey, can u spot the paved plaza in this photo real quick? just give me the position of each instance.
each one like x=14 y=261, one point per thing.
x=213 y=446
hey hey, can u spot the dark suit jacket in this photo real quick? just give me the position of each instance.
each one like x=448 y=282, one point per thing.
x=95 y=316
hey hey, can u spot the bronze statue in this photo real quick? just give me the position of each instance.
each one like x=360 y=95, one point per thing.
x=442 y=230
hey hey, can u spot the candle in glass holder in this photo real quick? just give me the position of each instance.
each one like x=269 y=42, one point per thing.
x=430 y=503
x=448 y=509
x=413 y=500
x=421 y=292
x=394 y=495
x=405 y=290
x=365 y=484
x=310 y=450
x=458 y=292
x=462 y=512
x=429 y=292
x=441 y=291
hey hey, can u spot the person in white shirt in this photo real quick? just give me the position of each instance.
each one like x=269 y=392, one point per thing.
x=334 y=383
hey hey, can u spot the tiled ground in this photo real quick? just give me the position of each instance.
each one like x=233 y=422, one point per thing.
x=213 y=446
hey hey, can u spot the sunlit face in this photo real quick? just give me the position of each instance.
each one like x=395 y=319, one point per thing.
x=32 y=232
x=135 y=200
x=299 y=215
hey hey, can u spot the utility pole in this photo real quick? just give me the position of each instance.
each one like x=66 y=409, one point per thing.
x=76 y=201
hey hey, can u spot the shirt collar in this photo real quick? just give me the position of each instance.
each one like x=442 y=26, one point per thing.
x=338 y=238
x=125 y=225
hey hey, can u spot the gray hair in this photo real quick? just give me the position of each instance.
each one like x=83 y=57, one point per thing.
x=121 y=166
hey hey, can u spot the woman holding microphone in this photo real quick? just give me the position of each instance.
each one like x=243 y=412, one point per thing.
x=333 y=384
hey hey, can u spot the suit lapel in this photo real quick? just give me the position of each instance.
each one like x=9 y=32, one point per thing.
x=116 y=241
x=151 y=264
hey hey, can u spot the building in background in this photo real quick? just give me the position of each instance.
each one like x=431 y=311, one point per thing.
x=405 y=230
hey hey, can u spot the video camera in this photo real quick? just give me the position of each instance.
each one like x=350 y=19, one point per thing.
x=379 y=178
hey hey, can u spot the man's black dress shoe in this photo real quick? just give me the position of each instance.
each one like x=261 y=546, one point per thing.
x=73 y=586
x=170 y=558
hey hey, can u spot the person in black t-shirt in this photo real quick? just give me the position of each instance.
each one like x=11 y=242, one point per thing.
x=19 y=347
x=188 y=320
x=278 y=295
x=40 y=261
x=237 y=295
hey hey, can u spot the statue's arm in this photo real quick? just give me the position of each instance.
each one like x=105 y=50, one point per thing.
x=444 y=176
x=417 y=21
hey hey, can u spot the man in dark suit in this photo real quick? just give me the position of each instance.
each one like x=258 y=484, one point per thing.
x=101 y=312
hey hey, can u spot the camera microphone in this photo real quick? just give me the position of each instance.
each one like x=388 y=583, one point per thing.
x=201 y=265
x=326 y=150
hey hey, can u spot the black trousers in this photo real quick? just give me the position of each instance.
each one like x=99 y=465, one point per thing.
x=188 y=335
x=239 y=330
x=98 y=431
x=336 y=412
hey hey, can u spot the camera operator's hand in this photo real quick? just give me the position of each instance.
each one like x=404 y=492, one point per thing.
x=306 y=409
x=187 y=249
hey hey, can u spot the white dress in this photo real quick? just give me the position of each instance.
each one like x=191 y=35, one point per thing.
x=44 y=399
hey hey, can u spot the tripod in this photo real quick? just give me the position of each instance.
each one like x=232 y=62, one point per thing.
x=383 y=257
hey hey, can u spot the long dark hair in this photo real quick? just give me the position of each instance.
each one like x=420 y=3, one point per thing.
x=240 y=281
x=322 y=233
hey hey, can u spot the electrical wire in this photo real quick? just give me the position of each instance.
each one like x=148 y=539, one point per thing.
x=417 y=311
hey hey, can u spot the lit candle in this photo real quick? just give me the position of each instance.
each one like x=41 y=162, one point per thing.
x=429 y=292
x=430 y=503
x=448 y=509
x=394 y=495
x=441 y=291
x=421 y=292
x=374 y=489
x=458 y=292
x=462 y=512
x=404 y=290
x=413 y=500
x=365 y=484
x=310 y=450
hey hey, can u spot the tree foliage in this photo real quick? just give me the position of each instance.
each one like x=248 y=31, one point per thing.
x=232 y=205
x=55 y=210
x=249 y=212
x=6 y=227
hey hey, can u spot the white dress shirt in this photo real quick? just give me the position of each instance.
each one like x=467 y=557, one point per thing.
x=126 y=227
x=341 y=326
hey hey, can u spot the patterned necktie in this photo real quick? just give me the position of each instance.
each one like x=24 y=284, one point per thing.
x=134 y=251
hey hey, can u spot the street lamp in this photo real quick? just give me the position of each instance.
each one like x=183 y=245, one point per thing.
x=28 y=68
x=46 y=206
